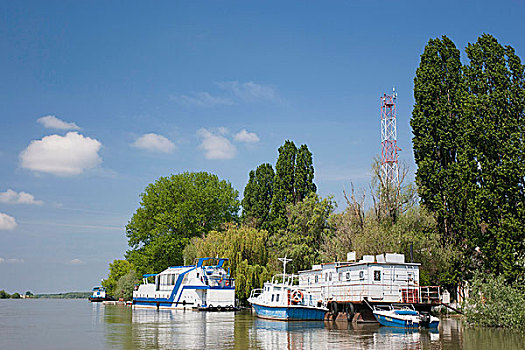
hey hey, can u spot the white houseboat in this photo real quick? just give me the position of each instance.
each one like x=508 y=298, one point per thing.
x=355 y=286
x=201 y=286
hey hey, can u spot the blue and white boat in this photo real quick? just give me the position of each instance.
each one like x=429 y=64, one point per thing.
x=404 y=316
x=204 y=286
x=282 y=299
x=98 y=295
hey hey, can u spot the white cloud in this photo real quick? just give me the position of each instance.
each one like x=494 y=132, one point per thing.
x=11 y=261
x=12 y=197
x=245 y=136
x=62 y=155
x=216 y=146
x=7 y=222
x=154 y=142
x=202 y=99
x=52 y=122
x=76 y=262
x=249 y=91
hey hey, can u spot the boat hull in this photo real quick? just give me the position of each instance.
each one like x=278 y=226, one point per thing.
x=392 y=321
x=289 y=313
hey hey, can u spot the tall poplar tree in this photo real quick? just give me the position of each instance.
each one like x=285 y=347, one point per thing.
x=436 y=126
x=469 y=146
x=258 y=195
x=283 y=185
x=496 y=113
x=304 y=174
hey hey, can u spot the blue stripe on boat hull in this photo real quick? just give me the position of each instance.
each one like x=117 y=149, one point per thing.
x=289 y=313
x=395 y=322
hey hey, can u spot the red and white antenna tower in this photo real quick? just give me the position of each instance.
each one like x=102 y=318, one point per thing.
x=389 y=163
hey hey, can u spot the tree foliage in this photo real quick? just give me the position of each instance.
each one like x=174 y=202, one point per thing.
x=469 y=148
x=307 y=228
x=494 y=302
x=173 y=210
x=258 y=195
x=246 y=249
x=117 y=269
x=125 y=285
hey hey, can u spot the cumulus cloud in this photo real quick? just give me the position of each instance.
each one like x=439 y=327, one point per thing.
x=52 y=122
x=249 y=91
x=155 y=143
x=7 y=222
x=245 y=136
x=62 y=155
x=12 y=197
x=202 y=99
x=216 y=146
x=76 y=262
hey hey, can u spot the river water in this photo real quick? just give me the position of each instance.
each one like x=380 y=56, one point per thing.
x=77 y=324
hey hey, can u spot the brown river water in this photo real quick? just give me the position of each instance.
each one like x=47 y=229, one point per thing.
x=77 y=324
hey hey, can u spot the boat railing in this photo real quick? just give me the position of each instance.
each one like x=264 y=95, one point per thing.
x=430 y=294
x=288 y=280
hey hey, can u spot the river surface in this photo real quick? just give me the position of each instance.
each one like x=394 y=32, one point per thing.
x=77 y=324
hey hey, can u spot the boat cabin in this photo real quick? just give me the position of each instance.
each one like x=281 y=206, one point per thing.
x=205 y=284
x=380 y=278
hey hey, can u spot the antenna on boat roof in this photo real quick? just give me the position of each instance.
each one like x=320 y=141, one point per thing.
x=285 y=261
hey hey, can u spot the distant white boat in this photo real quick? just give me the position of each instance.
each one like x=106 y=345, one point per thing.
x=199 y=286
x=98 y=295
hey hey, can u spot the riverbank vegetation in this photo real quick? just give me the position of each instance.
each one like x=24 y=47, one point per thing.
x=464 y=213
x=494 y=302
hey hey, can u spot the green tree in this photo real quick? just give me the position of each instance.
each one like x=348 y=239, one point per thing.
x=283 y=185
x=4 y=294
x=173 y=210
x=126 y=284
x=304 y=174
x=436 y=123
x=15 y=295
x=246 y=249
x=258 y=195
x=294 y=174
x=469 y=147
x=496 y=110
x=307 y=228
x=117 y=269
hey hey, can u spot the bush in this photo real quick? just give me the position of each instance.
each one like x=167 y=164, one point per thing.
x=495 y=303
x=4 y=295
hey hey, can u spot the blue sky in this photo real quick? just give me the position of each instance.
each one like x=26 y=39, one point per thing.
x=100 y=98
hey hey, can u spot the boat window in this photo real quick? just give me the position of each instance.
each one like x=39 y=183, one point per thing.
x=377 y=275
x=330 y=276
x=410 y=276
x=361 y=275
x=316 y=279
x=348 y=276
x=277 y=298
x=273 y=295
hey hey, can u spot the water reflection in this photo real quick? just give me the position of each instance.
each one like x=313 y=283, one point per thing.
x=142 y=328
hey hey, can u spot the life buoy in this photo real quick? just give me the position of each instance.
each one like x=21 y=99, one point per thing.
x=297 y=296
x=227 y=283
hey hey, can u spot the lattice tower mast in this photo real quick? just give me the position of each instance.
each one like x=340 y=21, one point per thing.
x=389 y=149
